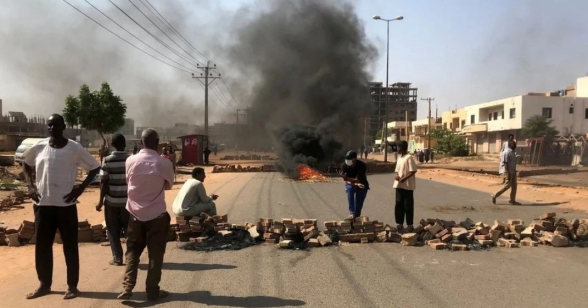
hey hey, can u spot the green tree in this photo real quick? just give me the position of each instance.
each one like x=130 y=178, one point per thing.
x=539 y=126
x=379 y=135
x=449 y=142
x=101 y=111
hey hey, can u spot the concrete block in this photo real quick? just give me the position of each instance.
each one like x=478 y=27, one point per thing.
x=438 y=246
x=547 y=216
x=468 y=223
x=394 y=237
x=313 y=242
x=436 y=228
x=459 y=247
x=285 y=244
x=409 y=239
x=559 y=241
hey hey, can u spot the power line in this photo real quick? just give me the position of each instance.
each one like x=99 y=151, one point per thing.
x=136 y=36
x=143 y=51
x=190 y=55
x=152 y=35
x=173 y=29
x=221 y=98
x=164 y=21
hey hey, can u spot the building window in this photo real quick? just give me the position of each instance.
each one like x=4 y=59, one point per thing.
x=546 y=113
x=586 y=114
x=444 y=125
x=513 y=113
x=450 y=125
x=571 y=108
x=495 y=116
x=472 y=119
x=490 y=116
x=502 y=114
x=462 y=123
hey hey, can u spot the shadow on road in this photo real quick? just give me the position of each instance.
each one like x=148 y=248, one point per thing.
x=543 y=204
x=189 y=267
x=200 y=297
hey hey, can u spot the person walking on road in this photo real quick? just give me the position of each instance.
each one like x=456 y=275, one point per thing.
x=206 y=155
x=148 y=176
x=405 y=185
x=55 y=161
x=353 y=172
x=508 y=169
x=192 y=199
x=113 y=194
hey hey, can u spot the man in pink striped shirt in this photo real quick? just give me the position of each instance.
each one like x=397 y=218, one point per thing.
x=148 y=176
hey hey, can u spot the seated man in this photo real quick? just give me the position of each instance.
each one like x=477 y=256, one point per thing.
x=192 y=199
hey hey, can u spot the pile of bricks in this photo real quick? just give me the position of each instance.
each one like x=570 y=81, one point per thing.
x=361 y=230
x=293 y=233
x=85 y=232
x=239 y=168
x=99 y=233
x=26 y=233
x=248 y=157
x=197 y=228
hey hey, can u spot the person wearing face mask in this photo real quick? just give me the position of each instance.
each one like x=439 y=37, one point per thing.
x=356 y=183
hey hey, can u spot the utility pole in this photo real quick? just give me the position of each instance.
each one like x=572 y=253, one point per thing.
x=429 y=119
x=206 y=79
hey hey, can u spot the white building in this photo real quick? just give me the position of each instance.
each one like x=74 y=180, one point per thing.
x=488 y=124
x=419 y=133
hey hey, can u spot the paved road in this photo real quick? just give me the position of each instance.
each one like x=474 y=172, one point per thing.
x=368 y=275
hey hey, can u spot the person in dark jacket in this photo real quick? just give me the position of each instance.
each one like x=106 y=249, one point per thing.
x=353 y=172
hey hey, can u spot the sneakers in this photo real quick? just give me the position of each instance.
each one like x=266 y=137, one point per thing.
x=399 y=228
x=155 y=297
x=115 y=263
x=493 y=199
x=410 y=229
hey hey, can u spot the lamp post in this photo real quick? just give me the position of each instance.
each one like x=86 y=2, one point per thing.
x=387 y=60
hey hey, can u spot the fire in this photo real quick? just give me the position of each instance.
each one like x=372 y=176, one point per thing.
x=305 y=173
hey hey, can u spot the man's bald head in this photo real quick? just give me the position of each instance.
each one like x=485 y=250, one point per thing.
x=150 y=139
x=56 y=125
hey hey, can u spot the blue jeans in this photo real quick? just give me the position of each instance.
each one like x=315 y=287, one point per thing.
x=355 y=198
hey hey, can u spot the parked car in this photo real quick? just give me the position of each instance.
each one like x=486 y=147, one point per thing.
x=25 y=145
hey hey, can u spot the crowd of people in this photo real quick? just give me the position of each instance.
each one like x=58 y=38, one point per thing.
x=132 y=194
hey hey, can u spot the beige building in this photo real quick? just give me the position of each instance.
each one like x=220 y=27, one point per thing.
x=454 y=120
x=419 y=133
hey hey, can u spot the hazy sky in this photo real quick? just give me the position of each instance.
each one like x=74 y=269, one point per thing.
x=460 y=52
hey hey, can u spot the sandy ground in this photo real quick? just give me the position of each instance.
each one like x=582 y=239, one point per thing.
x=528 y=189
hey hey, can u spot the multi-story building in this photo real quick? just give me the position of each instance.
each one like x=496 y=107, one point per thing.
x=489 y=124
x=402 y=100
x=419 y=133
x=454 y=120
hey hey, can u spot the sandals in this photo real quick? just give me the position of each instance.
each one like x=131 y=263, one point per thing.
x=125 y=295
x=71 y=293
x=39 y=292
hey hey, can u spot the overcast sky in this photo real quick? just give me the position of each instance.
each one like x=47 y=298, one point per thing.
x=459 y=52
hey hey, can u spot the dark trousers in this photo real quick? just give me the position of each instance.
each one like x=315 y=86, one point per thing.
x=206 y=161
x=117 y=221
x=49 y=219
x=404 y=206
x=355 y=198
x=153 y=235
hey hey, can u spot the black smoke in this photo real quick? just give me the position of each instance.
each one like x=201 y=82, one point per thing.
x=306 y=63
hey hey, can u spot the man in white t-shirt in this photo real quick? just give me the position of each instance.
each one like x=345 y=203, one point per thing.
x=405 y=184
x=55 y=162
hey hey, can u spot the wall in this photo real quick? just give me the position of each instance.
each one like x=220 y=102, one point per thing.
x=447 y=118
x=564 y=121
x=582 y=87
x=481 y=111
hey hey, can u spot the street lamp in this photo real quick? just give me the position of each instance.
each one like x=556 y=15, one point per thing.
x=376 y=17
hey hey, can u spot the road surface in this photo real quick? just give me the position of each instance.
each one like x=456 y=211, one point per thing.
x=354 y=275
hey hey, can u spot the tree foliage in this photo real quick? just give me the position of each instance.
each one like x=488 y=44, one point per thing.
x=539 y=126
x=378 y=135
x=101 y=111
x=450 y=143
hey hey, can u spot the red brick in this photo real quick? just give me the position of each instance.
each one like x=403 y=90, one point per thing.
x=438 y=246
x=459 y=247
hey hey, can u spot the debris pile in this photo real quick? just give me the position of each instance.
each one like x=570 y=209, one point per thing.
x=248 y=157
x=239 y=168
x=14 y=201
x=209 y=233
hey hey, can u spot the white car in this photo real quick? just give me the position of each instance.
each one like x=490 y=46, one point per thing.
x=25 y=145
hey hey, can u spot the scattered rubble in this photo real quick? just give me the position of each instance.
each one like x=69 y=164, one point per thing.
x=239 y=168
x=210 y=233
x=248 y=157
